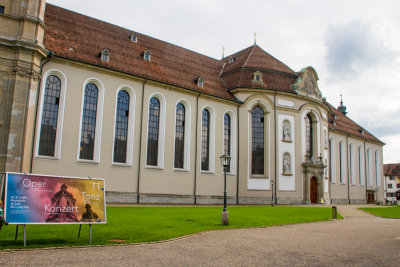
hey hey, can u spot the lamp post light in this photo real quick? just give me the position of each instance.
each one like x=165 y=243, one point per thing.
x=272 y=192
x=225 y=161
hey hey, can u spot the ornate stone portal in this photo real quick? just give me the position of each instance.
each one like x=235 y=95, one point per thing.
x=313 y=180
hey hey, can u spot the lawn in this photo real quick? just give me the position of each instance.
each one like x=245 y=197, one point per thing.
x=146 y=224
x=386 y=212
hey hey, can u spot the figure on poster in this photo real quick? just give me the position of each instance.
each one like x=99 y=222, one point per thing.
x=65 y=200
x=89 y=215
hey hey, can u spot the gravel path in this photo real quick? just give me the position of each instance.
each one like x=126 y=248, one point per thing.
x=358 y=240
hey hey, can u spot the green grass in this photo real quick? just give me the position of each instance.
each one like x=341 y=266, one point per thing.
x=146 y=224
x=387 y=212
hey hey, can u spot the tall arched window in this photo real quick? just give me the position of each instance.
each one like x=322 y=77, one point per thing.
x=205 y=141
x=330 y=161
x=341 y=177
x=153 y=132
x=89 y=116
x=377 y=169
x=180 y=136
x=360 y=166
x=351 y=163
x=227 y=137
x=309 y=135
x=257 y=129
x=121 y=127
x=48 y=127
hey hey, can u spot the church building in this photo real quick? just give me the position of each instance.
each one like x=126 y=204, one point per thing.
x=82 y=97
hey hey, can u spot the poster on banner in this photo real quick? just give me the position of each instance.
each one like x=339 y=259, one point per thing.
x=42 y=199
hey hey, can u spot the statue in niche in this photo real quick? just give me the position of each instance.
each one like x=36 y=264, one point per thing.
x=286 y=131
x=286 y=164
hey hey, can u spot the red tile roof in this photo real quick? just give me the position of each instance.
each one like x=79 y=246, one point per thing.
x=391 y=169
x=344 y=124
x=78 y=37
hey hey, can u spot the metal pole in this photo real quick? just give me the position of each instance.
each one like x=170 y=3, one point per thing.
x=79 y=233
x=224 y=188
x=16 y=233
x=90 y=234
x=272 y=192
x=24 y=235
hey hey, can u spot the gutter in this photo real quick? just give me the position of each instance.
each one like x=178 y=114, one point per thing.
x=49 y=56
x=238 y=156
x=140 y=145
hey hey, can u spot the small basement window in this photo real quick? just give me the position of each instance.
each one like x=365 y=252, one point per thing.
x=147 y=55
x=105 y=55
x=133 y=37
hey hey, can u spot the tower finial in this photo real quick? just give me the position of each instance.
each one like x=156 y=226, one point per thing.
x=342 y=108
x=223 y=52
x=341 y=100
x=255 y=38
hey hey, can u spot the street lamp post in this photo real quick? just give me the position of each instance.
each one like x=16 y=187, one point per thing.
x=225 y=160
x=272 y=192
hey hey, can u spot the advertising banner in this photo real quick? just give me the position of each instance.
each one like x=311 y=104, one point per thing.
x=41 y=199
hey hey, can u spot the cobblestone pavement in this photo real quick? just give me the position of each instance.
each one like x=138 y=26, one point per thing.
x=358 y=240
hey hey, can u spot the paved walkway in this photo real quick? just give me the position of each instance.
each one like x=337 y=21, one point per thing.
x=358 y=240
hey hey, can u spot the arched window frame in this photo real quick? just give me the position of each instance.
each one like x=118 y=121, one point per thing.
x=361 y=168
x=369 y=168
x=232 y=116
x=332 y=160
x=266 y=141
x=377 y=169
x=60 y=119
x=105 y=55
x=342 y=162
x=99 y=120
x=147 y=55
x=131 y=124
x=187 y=134
x=352 y=164
x=211 y=160
x=161 y=131
x=316 y=134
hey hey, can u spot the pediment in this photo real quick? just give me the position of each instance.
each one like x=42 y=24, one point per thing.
x=306 y=83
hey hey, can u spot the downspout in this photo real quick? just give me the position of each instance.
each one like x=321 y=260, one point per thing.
x=238 y=156
x=49 y=56
x=330 y=168
x=275 y=137
x=366 y=173
x=140 y=144
x=195 y=153
x=348 y=168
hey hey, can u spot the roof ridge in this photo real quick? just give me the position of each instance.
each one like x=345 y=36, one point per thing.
x=248 y=57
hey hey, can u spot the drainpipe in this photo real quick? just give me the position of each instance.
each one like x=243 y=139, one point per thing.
x=238 y=156
x=49 y=56
x=196 y=148
x=276 y=184
x=140 y=144
x=366 y=173
x=348 y=169
x=330 y=168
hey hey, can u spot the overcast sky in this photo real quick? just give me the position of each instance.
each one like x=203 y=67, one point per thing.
x=353 y=45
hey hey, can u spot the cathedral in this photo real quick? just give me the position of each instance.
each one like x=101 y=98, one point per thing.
x=81 y=97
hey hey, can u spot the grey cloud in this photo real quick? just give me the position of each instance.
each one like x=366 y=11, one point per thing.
x=354 y=47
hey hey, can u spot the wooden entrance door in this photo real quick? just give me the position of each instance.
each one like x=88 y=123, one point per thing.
x=370 y=197
x=313 y=190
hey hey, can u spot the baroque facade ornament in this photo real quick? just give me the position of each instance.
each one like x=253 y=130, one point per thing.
x=306 y=84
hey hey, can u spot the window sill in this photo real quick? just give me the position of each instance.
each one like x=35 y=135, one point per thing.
x=39 y=157
x=287 y=174
x=154 y=167
x=258 y=177
x=88 y=161
x=180 y=170
x=287 y=141
x=118 y=164
x=207 y=172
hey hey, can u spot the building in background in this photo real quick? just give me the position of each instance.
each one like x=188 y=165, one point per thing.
x=392 y=183
x=82 y=97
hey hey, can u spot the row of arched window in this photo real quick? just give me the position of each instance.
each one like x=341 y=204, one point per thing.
x=354 y=171
x=123 y=133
